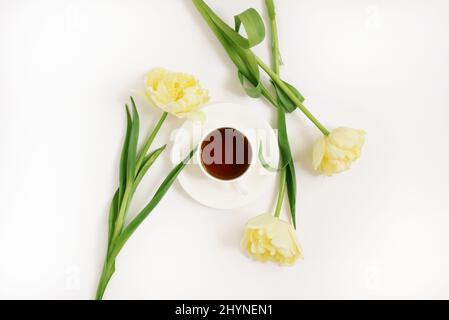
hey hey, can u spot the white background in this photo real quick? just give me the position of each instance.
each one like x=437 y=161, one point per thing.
x=380 y=230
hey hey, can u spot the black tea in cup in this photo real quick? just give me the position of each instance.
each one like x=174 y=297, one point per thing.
x=225 y=153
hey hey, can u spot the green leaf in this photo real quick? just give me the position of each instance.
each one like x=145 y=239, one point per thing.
x=143 y=152
x=266 y=165
x=113 y=211
x=130 y=170
x=147 y=163
x=291 y=190
x=129 y=179
x=227 y=45
x=106 y=274
x=161 y=191
x=114 y=208
x=252 y=91
x=132 y=148
x=250 y=19
x=235 y=45
x=124 y=157
x=284 y=100
x=287 y=161
x=254 y=27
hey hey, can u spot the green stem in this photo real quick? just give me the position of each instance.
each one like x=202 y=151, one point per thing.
x=274 y=36
x=122 y=210
x=269 y=96
x=291 y=95
x=281 y=193
x=276 y=69
x=108 y=271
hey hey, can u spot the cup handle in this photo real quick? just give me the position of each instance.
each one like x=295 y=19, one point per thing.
x=241 y=185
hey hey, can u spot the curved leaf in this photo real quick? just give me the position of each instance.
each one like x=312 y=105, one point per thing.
x=235 y=45
x=266 y=165
x=252 y=91
x=254 y=27
x=284 y=100
x=250 y=19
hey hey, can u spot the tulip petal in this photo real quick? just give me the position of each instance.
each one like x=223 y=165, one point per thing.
x=318 y=153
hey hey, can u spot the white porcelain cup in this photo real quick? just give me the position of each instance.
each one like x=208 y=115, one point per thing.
x=240 y=183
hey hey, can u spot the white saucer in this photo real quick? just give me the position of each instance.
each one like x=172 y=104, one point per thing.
x=225 y=195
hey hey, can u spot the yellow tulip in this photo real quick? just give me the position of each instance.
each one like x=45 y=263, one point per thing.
x=177 y=93
x=268 y=238
x=335 y=153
